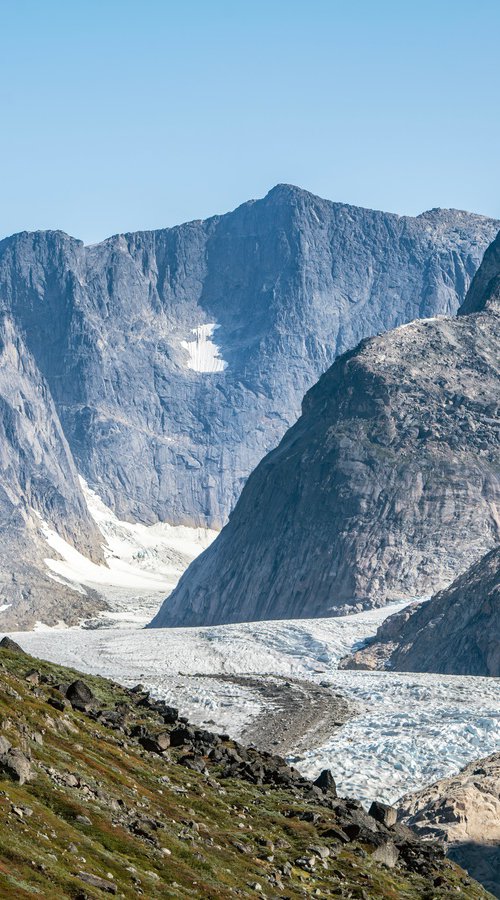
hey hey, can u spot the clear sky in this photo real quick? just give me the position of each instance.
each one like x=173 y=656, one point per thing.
x=118 y=115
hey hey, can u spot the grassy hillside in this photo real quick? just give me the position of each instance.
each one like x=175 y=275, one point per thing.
x=99 y=814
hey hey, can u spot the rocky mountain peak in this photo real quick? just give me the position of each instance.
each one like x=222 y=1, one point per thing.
x=184 y=353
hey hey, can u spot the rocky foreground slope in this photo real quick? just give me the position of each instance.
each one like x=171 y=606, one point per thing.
x=464 y=812
x=387 y=487
x=104 y=791
x=457 y=632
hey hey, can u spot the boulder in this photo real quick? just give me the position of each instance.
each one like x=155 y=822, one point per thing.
x=181 y=736
x=80 y=696
x=194 y=762
x=383 y=813
x=101 y=883
x=16 y=765
x=386 y=853
x=12 y=646
x=156 y=743
x=170 y=714
x=5 y=745
x=59 y=703
x=326 y=783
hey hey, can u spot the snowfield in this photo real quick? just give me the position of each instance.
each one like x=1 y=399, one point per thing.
x=143 y=562
x=410 y=729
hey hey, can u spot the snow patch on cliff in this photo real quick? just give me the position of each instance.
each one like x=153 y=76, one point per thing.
x=204 y=354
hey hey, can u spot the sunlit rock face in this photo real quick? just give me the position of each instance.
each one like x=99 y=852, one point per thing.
x=387 y=487
x=38 y=481
x=457 y=632
x=177 y=359
x=172 y=361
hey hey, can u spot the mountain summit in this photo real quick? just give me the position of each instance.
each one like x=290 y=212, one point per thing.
x=172 y=361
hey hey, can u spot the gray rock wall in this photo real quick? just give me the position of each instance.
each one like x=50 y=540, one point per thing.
x=457 y=632
x=387 y=487
x=292 y=280
x=37 y=479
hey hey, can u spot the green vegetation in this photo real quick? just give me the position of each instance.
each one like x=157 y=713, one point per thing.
x=100 y=804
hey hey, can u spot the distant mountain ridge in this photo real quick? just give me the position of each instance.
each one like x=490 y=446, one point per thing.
x=387 y=487
x=261 y=299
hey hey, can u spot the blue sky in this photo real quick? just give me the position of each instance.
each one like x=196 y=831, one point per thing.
x=119 y=115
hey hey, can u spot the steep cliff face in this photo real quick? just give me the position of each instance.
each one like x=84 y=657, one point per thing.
x=163 y=365
x=457 y=632
x=484 y=293
x=387 y=487
x=38 y=481
x=165 y=413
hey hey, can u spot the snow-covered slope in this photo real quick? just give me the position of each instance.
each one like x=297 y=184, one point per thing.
x=409 y=731
x=141 y=562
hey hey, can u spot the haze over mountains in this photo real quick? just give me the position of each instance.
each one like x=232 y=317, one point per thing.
x=162 y=366
x=386 y=488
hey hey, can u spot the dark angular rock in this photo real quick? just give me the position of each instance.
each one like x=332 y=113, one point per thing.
x=59 y=703
x=181 y=736
x=206 y=737
x=61 y=687
x=326 y=783
x=138 y=731
x=216 y=754
x=169 y=714
x=12 y=646
x=145 y=700
x=194 y=762
x=383 y=813
x=80 y=695
x=336 y=834
x=114 y=718
x=156 y=743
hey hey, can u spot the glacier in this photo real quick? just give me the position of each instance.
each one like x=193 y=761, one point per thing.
x=407 y=730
